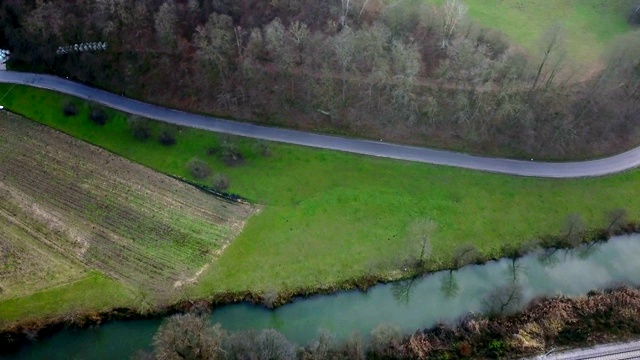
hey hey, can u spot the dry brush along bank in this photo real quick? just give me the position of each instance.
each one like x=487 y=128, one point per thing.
x=559 y=322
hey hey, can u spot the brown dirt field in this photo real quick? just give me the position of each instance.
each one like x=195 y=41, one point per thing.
x=67 y=208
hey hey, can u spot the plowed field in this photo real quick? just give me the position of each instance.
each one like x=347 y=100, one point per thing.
x=68 y=208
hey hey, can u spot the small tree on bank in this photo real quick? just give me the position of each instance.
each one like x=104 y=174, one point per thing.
x=420 y=235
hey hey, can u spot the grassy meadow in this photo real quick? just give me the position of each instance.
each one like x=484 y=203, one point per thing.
x=328 y=216
x=588 y=24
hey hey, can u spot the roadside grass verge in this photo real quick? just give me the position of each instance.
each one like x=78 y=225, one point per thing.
x=589 y=24
x=332 y=216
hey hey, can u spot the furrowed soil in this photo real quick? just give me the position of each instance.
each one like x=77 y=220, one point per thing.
x=69 y=209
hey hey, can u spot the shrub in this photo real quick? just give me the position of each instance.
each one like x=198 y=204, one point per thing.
x=188 y=336
x=230 y=153
x=98 y=116
x=263 y=149
x=69 y=109
x=269 y=298
x=167 y=138
x=220 y=182
x=198 y=169
x=140 y=128
x=384 y=339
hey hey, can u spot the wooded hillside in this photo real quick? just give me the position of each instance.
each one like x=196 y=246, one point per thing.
x=402 y=71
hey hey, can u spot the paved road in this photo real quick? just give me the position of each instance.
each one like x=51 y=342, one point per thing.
x=614 y=164
x=623 y=351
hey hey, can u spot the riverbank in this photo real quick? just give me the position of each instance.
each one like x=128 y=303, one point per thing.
x=556 y=323
x=19 y=334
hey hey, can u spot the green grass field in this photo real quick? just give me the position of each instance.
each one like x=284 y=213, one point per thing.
x=92 y=293
x=589 y=24
x=332 y=216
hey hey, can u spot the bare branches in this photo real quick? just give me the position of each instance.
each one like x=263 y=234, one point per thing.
x=454 y=12
x=420 y=234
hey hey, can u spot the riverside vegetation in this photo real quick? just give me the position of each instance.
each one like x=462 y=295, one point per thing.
x=558 y=322
x=413 y=71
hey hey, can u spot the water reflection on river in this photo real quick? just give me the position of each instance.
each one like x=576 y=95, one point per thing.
x=413 y=304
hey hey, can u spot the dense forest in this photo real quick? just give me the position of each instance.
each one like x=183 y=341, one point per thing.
x=401 y=71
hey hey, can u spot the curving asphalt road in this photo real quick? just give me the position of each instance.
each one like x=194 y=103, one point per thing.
x=592 y=168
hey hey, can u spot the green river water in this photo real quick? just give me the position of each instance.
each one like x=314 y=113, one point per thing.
x=443 y=296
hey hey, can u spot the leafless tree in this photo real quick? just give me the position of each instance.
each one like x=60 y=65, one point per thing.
x=420 y=235
x=402 y=290
x=344 y=52
x=188 y=337
x=166 y=24
x=552 y=56
x=573 y=228
x=464 y=255
x=299 y=32
x=215 y=43
x=454 y=12
x=344 y=12
x=616 y=220
x=504 y=299
x=449 y=285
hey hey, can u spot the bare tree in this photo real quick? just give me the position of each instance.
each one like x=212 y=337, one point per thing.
x=188 y=337
x=573 y=228
x=299 y=33
x=239 y=32
x=454 y=12
x=552 y=55
x=616 y=220
x=420 y=235
x=406 y=67
x=344 y=52
x=449 y=285
x=166 y=24
x=402 y=290
x=214 y=42
x=464 y=255
x=273 y=345
x=344 y=12
x=504 y=299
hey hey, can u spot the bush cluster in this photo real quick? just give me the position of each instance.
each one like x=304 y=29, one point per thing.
x=69 y=109
x=140 y=128
x=198 y=169
x=167 y=138
x=98 y=115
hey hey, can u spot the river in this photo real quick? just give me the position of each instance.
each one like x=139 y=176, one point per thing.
x=410 y=305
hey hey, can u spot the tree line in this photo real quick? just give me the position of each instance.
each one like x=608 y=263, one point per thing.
x=401 y=71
